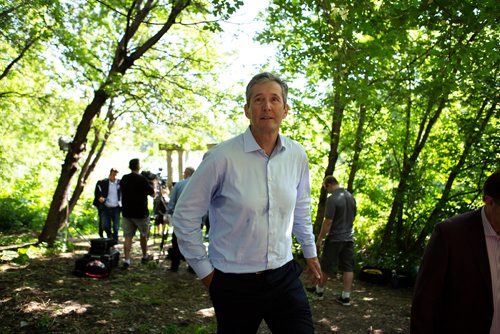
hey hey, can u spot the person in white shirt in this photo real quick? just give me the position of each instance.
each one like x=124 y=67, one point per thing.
x=256 y=190
x=107 y=198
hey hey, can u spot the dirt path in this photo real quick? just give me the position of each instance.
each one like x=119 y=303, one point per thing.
x=45 y=297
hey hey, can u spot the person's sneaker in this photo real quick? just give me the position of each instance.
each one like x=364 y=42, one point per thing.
x=311 y=289
x=319 y=295
x=125 y=265
x=344 y=301
x=146 y=259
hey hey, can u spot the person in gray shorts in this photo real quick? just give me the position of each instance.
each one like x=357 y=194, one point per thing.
x=135 y=190
x=336 y=238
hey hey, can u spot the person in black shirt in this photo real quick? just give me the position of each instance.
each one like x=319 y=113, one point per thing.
x=135 y=189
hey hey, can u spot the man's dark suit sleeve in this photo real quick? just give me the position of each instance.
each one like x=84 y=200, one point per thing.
x=429 y=286
x=97 y=193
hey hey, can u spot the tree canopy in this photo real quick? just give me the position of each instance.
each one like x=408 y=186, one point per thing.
x=397 y=100
x=409 y=110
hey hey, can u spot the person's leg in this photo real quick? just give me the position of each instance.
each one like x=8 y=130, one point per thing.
x=127 y=245
x=237 y=302
x=115 y=217
x=144 y=246
x=287 y=307
x=323 y=280
x=144 y=225
x=329 y=263
x=129 y=230
x=346 y=265
x=175 y=254
x=99 y=214
x=106 y=221
x=347 y=279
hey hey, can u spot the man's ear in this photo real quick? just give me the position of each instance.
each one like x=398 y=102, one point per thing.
x=247 y=113
x=488 y=200
x=287 y=108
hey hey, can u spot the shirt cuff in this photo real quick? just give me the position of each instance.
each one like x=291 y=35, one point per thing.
x=310 y=252
x=202 y=268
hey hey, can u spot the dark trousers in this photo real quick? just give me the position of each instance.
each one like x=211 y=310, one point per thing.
x=108 y=216
x=242 y=301
x=101 y=232
x=175 y=254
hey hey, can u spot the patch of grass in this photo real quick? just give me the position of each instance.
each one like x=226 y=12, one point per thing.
x=17 y=238
x=184 y=328
x=120 y=313
x=44 y=321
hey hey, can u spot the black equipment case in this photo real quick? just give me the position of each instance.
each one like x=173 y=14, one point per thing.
x=101 y=245
x=100 y=259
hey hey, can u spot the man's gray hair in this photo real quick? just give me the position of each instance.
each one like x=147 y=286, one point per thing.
x=264 y=77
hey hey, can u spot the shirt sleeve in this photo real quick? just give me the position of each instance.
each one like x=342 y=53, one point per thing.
x=302 y=227
x=191 y=206
x=173 y=200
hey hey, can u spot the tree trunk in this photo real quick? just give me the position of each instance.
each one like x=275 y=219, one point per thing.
x=85 y=172
x=93 y=157
x=358 y=147
x=58 y=211
x=122 y=61
x=394 y=224
x=482 y=119
x=338 y=114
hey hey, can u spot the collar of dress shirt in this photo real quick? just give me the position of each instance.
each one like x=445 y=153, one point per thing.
x=250 y=144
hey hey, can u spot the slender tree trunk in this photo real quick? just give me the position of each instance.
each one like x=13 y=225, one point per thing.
x=122 y=61
x=358 y=147
x=58 y=211
x=93 y=157
x=482 y=119
x=338 y=114
x=394 y=224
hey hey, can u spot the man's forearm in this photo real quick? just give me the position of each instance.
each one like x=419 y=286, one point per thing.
x=325 y=227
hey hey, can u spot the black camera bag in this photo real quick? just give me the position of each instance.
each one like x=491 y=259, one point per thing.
x=101 y=245
x=97 y=265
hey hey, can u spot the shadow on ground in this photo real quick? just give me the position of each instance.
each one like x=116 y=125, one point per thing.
x=45 y=297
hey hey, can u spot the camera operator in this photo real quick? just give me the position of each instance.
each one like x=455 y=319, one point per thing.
x=135 y=189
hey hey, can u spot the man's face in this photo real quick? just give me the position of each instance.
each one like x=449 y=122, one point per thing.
x=266 y=108
x=329 y=187
x=112 y=175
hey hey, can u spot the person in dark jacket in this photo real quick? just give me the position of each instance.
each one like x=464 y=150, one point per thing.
x=458 y=286
x=107 y=200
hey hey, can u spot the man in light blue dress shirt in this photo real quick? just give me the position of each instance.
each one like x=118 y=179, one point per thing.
x=256 y=189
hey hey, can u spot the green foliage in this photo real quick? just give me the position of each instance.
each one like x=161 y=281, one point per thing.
x=44 y=322
x=17 y=215
x=425 y=75
x=168 y=89
x=399 y=60
x=24 y=255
